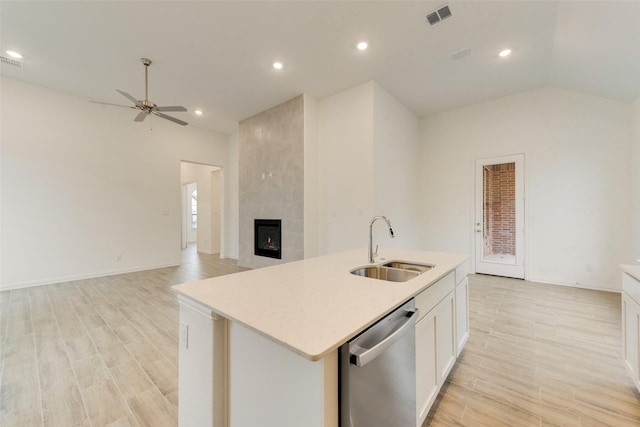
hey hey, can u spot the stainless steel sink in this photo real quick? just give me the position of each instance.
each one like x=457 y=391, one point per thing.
x=392 y=271
x=385 y=273
x=405 y=265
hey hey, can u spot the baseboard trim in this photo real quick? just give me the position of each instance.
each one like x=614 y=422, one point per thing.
x=208 y=252
x=591 y=286
x=73 y=278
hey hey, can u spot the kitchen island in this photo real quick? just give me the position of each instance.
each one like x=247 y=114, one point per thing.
x=260 y=347
x=631 y=321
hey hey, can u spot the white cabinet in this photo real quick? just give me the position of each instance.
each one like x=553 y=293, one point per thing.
x=631 y=326
x=202 y=366
x=462 y=314
x=435 y=341
x=426 y=375
x=445 y=337
x=462 y=305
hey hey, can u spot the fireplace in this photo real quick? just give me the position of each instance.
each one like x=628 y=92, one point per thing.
x=268 y=237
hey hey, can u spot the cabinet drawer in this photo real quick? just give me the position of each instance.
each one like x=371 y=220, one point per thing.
x=463 y=270
x=630 y=286
x=430 y=297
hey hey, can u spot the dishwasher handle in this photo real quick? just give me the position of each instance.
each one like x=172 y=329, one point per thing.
x=361 y=356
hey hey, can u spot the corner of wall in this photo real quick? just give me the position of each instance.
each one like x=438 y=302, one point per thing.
x=635 y=179
x=345 y=168
x=311 y=199
x=231 y=199
x=395 y=162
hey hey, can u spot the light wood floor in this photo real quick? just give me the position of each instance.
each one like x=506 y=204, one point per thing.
x=105 y=351
x=539 y=355
x=96 y=352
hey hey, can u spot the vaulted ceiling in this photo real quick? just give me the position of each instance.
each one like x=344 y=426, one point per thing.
x=217 y=56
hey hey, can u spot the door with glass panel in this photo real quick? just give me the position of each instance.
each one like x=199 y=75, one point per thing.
x=499 y=216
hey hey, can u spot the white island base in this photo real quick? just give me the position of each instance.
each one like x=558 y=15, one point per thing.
x=265 y=381
x=631 y=321
x=241 y=366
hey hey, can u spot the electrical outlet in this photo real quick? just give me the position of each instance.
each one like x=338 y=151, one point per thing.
x=184 y=335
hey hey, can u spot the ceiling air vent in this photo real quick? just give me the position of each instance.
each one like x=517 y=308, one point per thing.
x=10 y=61
x=459 y=54
x=438 y=15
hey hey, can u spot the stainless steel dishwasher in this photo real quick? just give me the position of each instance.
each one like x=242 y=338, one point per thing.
x=378 y=373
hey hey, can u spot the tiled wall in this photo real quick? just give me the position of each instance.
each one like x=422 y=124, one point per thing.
x=271 y=179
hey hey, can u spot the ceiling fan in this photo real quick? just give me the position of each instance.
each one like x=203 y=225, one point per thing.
x=145 y=106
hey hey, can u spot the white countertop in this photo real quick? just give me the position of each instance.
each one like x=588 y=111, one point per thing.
x=315 y=305
x=632 y=270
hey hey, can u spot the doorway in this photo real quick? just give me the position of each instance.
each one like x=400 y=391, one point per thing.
x=202 y=207
x=499 y=216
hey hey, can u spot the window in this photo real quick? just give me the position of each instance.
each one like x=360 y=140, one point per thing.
x=194 y=209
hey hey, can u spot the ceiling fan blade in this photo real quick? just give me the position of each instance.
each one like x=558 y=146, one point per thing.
x=140 y=117
x=173 y=119
x=115 y=105
x=172 y=108
x=128 y=96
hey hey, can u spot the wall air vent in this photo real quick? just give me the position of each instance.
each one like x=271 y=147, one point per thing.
x=438 y=15
x=10 y=61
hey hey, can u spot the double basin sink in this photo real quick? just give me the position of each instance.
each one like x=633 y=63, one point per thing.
x=392 y=271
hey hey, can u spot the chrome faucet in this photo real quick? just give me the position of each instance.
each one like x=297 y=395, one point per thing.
x=373 y=254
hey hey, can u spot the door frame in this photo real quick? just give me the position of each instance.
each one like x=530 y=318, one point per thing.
x=519 y=270
x=186 y=214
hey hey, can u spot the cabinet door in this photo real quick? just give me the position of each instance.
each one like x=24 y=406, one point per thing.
x=631 y=335
x=445 y=337
x=462 y=314
x=426 y=377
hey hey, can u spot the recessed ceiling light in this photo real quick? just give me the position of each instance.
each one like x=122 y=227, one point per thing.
x=505 y=52
x=14 y=54
x=277 y=65
x=362 y=45
x=198 y=112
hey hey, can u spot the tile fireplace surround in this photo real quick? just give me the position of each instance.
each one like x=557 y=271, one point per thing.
x=271 y=158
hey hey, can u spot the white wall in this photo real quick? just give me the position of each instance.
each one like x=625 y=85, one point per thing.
x=231 y=213
x=345 y=169
x=367 y=151
x=577 y=179
x=83 y=183
x=635 y=183
x=395 y=170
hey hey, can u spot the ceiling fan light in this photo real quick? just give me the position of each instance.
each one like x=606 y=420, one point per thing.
x=14 y=54
x=504 y=53
x=278 y=65
x=362 y=45
x=198 y=112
